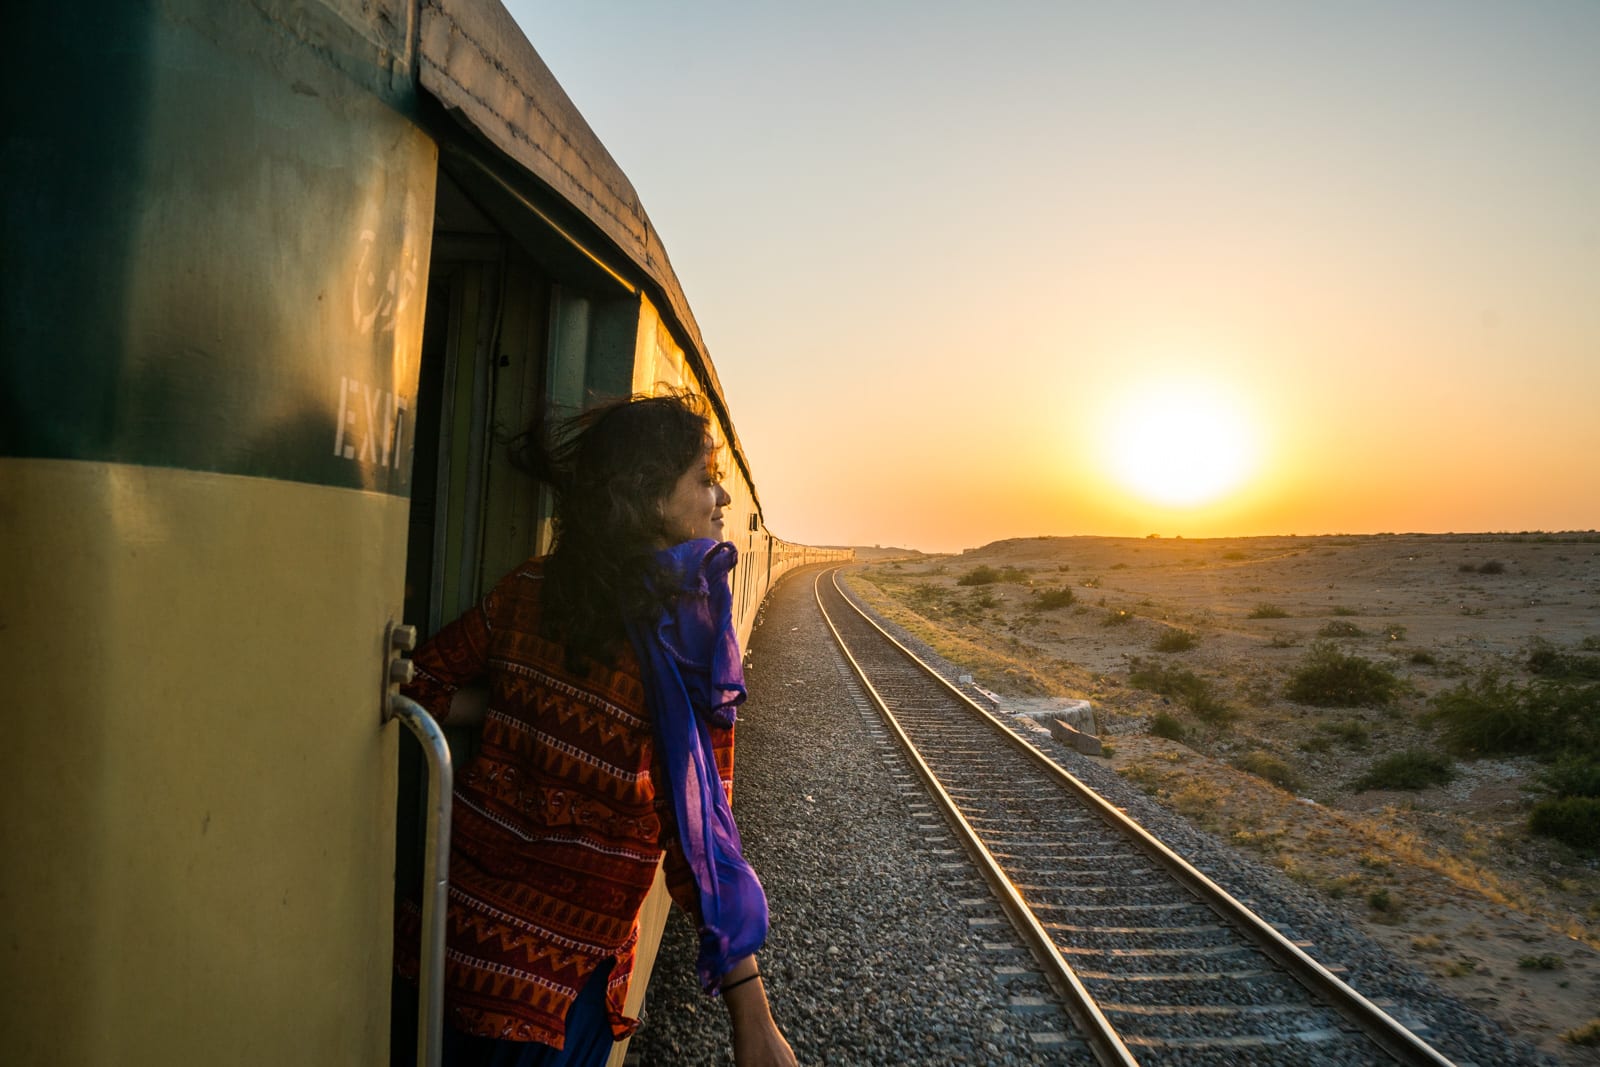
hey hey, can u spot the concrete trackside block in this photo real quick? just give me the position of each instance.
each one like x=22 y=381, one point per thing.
x=1086 y=743
x=1079 y=714
x=983 y=695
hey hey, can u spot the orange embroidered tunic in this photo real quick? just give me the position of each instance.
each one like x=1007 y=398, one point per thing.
x=557 y=825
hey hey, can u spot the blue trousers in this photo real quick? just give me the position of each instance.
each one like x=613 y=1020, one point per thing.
x=588 y=1039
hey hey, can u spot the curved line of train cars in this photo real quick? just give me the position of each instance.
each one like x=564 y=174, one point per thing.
x=280 y=279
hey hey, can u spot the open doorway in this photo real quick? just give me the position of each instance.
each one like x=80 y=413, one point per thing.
x=521 y=326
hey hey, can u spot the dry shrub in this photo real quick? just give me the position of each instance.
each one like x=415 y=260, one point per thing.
x=1573 y=776
x=1329 y=678
x=1176 y=641
x=1193 y=691
x=1352 y=732
x=1541 y=963
x=1587 y=1035
x=1548 y=661
x=1266 y=765
x=1340 y=629
x=1490 y=716
x=1053 y=599
x=1573 y=821
x=1415 y=768
x=1168 y=727
x=979 y=575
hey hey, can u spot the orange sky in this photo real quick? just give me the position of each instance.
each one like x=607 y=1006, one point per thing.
x=941 y=252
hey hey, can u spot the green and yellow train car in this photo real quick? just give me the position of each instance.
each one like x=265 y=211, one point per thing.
x=279 y=280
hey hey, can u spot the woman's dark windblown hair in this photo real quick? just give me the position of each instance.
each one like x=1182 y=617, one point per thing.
x=610 y=468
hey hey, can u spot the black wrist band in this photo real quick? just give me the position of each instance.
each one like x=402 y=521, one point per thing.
x=742 y=981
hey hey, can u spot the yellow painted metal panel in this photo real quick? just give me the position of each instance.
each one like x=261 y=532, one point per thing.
x=197 y=792
x=658 y=362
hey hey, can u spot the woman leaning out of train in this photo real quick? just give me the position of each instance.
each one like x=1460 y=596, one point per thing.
x=605 y=677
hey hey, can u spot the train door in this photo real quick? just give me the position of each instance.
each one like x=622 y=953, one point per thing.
x=480 y=381
x=218 y=217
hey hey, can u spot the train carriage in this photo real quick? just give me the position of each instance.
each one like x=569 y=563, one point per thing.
x=280 y=279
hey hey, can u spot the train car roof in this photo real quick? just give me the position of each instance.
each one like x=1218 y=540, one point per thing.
x=474 y=59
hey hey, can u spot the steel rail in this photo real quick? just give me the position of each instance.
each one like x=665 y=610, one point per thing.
x=1097 y=1030
x=1384 y=1030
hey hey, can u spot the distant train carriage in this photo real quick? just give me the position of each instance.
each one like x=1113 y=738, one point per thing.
x=281 y=277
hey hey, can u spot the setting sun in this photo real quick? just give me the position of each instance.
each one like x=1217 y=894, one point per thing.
x=1179 y=444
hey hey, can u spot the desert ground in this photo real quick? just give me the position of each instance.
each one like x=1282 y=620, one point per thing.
x=1449 y=876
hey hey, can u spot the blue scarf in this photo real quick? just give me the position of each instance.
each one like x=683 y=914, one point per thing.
x=694 y=680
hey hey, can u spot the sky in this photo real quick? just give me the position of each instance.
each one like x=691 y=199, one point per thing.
x=975 y=271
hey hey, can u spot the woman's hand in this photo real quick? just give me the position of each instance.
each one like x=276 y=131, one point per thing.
x=762 y=1046
x=467 y=706
x=757 y=1041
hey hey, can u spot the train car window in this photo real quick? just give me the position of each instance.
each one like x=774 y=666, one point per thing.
x=593 y=344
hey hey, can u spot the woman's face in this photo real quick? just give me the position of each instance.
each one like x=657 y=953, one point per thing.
x=693 y=509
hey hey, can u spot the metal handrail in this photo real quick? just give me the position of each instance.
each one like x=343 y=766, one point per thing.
x=436 y=875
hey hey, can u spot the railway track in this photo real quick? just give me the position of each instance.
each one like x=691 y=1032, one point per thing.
x=1155 y=963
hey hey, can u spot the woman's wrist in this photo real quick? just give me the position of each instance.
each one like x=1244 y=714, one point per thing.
x=741 y=970
x=727 y=987
x=743 y=990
